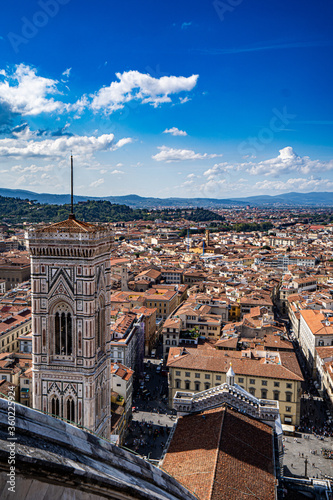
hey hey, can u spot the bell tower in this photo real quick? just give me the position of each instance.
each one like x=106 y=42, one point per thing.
x=70 y=277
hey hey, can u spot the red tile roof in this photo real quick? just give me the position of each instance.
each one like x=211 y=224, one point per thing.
x=71 y=225
x=221 y=454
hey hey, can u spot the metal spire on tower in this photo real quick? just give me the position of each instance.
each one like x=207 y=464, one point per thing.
x=71 y=215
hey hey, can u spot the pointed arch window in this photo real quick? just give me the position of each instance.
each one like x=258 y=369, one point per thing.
x=55 y=406
x=70 y=409
x=100 y=326
x=63 y=332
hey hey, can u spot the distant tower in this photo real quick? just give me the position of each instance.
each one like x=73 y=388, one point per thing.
x=124 y=278
x=70 y=274
x=207 y=237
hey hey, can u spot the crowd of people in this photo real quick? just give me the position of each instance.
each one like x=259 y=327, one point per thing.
x=142 y=434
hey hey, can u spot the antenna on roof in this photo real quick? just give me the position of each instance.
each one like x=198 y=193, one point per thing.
x=71 y=215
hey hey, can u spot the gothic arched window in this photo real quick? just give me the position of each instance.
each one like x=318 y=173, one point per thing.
x=70 y=408
x=55 y=406
x=100 y=325
x=63 y=331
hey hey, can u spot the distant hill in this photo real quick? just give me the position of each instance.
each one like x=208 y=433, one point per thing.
x=16 y=211
x=322 y=199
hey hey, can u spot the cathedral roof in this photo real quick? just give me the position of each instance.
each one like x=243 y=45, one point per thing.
x=71 y=225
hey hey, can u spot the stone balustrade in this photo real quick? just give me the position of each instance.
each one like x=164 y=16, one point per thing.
x=188 y=402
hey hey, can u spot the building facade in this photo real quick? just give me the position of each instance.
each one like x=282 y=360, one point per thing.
x=265 y=375
x=70 y=274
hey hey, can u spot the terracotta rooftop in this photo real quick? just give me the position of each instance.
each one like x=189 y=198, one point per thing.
x=282 y=365
x=221 y=454
x=71 y=225
x=317 y=322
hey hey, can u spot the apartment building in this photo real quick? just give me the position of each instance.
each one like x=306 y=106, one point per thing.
x=264 y=374
x=15 y=321
x=247 y=302
x=121 y=398
x=14 y=268
x=148 y=316
x=127 y=341
x=171 y=276
x=164 y=300
x=315 y=330
x=324 y=371
x=16 y=368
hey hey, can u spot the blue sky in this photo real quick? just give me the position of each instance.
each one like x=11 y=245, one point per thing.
x=222 y=98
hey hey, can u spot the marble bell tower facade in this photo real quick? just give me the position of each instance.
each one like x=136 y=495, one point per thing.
x=70 y=276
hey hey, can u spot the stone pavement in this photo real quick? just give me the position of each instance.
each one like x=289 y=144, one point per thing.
x=149 y=433
x=152 y=421
x=297 y=449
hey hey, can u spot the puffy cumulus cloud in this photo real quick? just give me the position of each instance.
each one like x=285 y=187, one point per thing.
x=219 y=169
x=169 y=155
x=287 y=162
x=28 y=146
x=26 y=93
x=133 y=85
x=296 y=184
x=174 y=131
x=79 y=106
x=117 y=172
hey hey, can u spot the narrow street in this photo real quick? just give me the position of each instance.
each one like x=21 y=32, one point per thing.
x=152 y=419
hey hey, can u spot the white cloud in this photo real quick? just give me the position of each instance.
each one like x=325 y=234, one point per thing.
x=288 y=161
x=83 y=146
x=174 y=131
x=220 y=188
x=220 y=169
x=122 y=142
x=31 y=169
x=79 y=106
x=133 y=85
x=117 y=172
x=296 y=184
x=285 y=163
x=96 y=183
x=26 y=93
x=169 y=154
x=67 y=72
x=186 y=25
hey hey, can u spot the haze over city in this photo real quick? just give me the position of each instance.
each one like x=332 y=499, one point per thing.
x=187 y=99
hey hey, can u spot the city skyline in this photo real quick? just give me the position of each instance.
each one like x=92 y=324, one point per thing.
x=220 y=99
